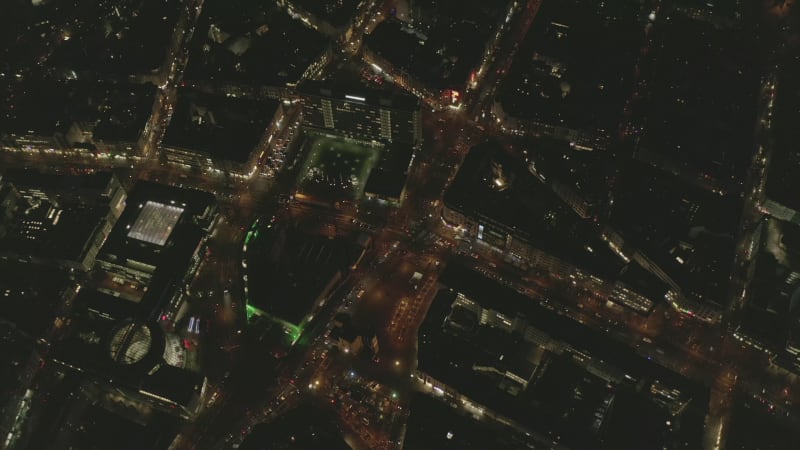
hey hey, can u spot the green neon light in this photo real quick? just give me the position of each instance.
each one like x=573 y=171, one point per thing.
x=294 y=333
x=291 y=331
x=253 y=311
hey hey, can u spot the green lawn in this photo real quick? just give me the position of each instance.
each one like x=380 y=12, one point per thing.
x=337 y=169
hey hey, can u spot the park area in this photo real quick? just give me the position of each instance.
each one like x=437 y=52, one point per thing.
x=335 y=169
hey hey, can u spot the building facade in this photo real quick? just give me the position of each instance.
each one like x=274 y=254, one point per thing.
x=361 y=113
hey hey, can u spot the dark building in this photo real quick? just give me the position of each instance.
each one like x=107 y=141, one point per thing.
x=100 y=187
x=697 y=116
x=225 y=130
x=361 y=113
x=155 y=246
x=771 y=317
x=436 y=425
x=253 y=43
x=496 y=201
x=783 y=164
x=574 y=71
x=81 y=116
x=387 y=181
x=306 y=427
x=291 y=273
x=756 y=423
x=16 y=347
x=338 y=13
x=134 y=357
x=354 y=340
x=27 y=301
x=484 y=347
x=133 y=38
x=120 y=340
x=9 y=205
x=58 y=219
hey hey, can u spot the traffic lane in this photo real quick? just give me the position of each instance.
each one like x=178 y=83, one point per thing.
x=391 y=284
x=245 y=393
x=695 y=364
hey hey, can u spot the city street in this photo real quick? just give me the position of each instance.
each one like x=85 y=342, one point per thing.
x=403 y=252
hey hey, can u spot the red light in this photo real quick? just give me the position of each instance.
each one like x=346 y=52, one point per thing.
x=163 y=317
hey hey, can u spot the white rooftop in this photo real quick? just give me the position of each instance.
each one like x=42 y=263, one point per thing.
x=155 y=222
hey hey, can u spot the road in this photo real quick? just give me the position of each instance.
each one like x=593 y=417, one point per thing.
x=171 y=74
x=248 y=387
x=489 y=75
x=754 y=196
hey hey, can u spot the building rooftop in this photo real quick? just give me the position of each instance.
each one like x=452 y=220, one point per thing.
x=106 y=305
x=112 y=111
x=756 y=424
x=774 y=296
x=306 y=427
x=25 y=300
x=388 y=178
x=58 y=219
x=577 y=373
x=130 y=343
x=21 y=32
x=93 y=184
x=225 y=128
x=155 y=222
x=637 y=422
x=688 y=231
x=527 y=208
x=440 y=42
x=492 y=295
x=358 y=93
x=338 y=13
x=572 y=399
x=133 y=38
x=435 y=425
x=720 y=13
x=160 y=240
x=100 y=427
x=587 y=174
x=48 y=233
x=126 y=353
x=291 y=270
x=254 y=42
x=16 y=347
x=576 y=66
x=699 y=113
x=784 y=164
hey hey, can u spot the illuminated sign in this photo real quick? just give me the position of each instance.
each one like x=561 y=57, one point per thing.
x=353 y=97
